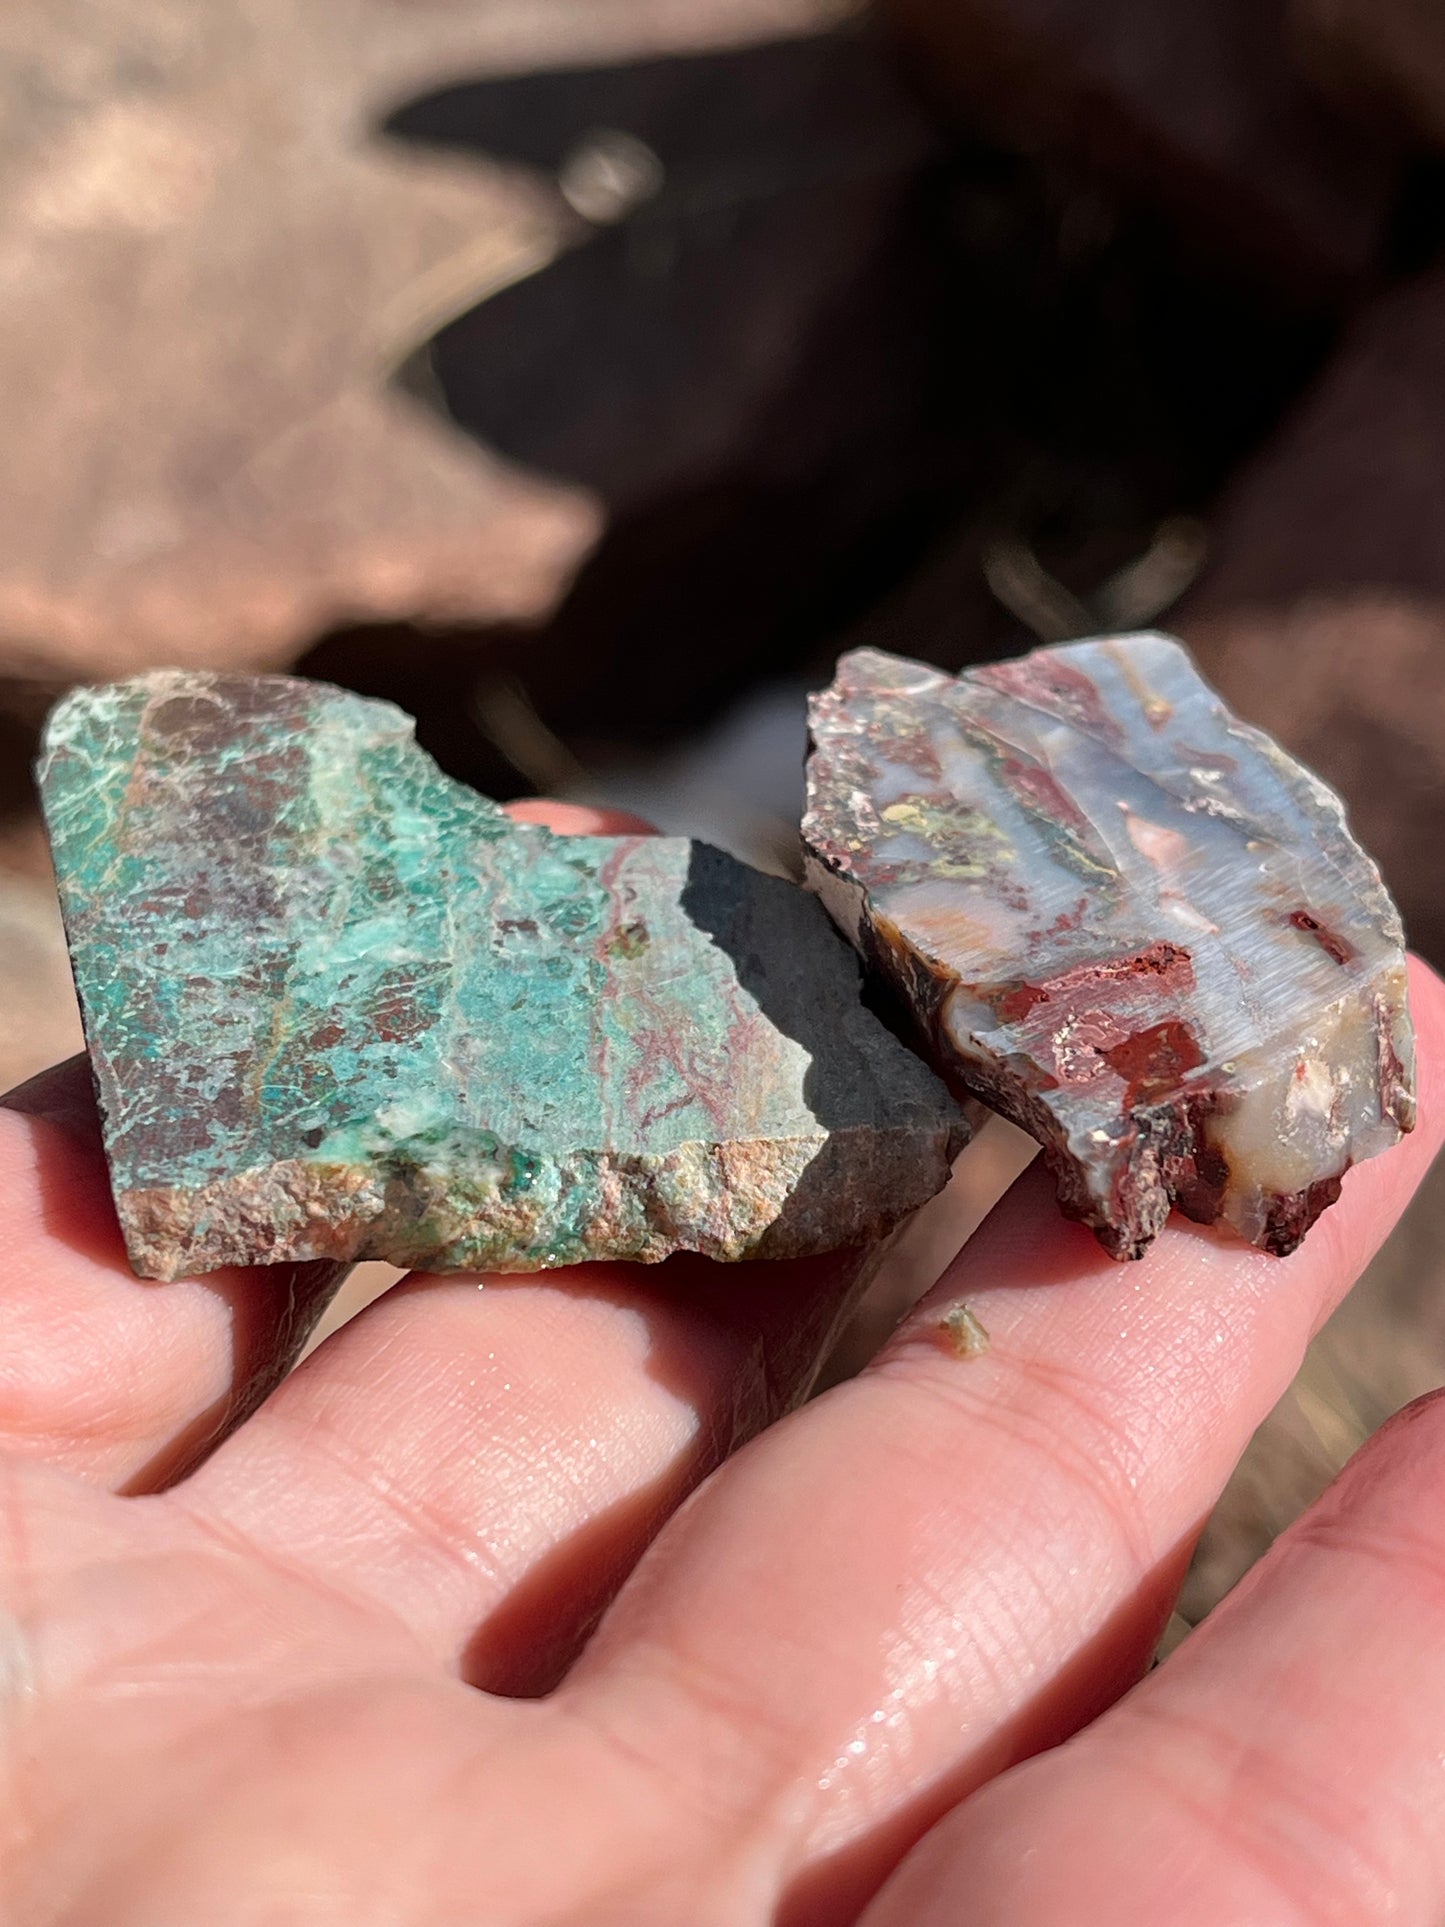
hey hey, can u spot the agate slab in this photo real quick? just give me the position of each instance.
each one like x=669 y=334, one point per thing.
x=340 y=1006
x=1125 y=919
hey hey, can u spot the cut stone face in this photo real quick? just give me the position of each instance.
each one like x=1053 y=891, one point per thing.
x=1126 y=920
x=340 y=1006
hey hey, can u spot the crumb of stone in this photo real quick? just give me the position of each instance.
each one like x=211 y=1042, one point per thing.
x=962 y=1332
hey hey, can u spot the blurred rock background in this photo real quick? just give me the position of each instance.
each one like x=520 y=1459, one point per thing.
x=584 y=374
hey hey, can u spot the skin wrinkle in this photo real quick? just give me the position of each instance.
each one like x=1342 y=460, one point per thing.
x=652 y=1433
x=1247 y=1342
x=1207 y=1364
x=224 y=1783
x=1018 y=1612
x=1400 y=1554
x=128 y=1580
x=239 y=1545
x=1202 y=1378
x=66 y=1400
x=1043 y=1383
x=992 y=1609
x=1286 y=1825
x=459 y=1549
x=969 y=1622
x=1106 y=1485
x=659 y=1769
x=1199 y=1380
x=1243 y=1843
x=686 y=1678
x=894 y=1448
x=1113 y=1814
x=1261 y=1785
x=665 y=1419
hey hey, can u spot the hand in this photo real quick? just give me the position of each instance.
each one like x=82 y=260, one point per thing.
x=240 y=1662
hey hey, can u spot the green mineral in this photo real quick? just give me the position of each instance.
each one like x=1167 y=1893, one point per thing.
x=340 y=1006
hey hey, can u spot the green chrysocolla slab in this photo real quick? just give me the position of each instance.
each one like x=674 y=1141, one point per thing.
x=340 y=1006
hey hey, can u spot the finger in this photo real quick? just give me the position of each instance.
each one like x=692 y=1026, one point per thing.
x=487 y=1458
x=1282 y=1767
x=578 y=819
x=951 y=1562
x=117 y=1379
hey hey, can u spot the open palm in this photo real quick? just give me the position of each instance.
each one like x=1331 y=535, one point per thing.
x=329 y=1672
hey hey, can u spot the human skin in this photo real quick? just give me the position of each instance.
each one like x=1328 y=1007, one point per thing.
x=308 y=1651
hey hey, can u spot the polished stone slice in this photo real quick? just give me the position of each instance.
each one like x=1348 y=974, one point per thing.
x=1126 y=920
x=340 y=1006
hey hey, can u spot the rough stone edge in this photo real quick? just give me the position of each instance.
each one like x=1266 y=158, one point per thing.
x=297 y=1210
x=1169 y=1145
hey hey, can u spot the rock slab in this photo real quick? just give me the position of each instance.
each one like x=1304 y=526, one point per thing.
x=1126 y=920
x=340 y=1006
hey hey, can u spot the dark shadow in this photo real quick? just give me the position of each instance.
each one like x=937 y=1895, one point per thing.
x=18 y=741
x=273 y=1311
x=738 y=1345
x=1416 y=240
x=828 y=351
x=733 y=368
x=788 y=958
x=726 y=126
x=23 y=706
x=526 y=1645
x=652 y=354
x=70 y=1169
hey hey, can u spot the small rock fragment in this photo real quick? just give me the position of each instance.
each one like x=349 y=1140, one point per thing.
x=340 y=1006
x=1126 y=920
x=964 y=1333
